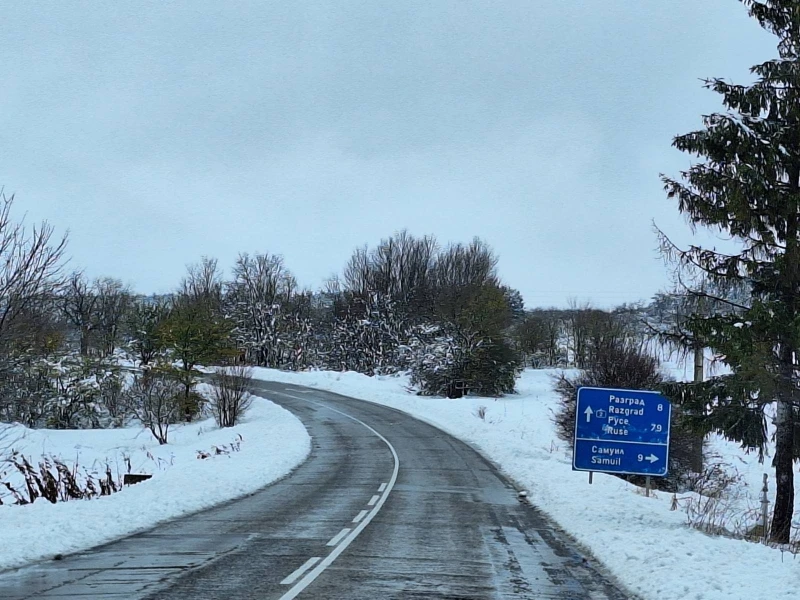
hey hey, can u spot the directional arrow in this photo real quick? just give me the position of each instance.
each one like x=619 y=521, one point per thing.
x=651 y=459
x=588 y=412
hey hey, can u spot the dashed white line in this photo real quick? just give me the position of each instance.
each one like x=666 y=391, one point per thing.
x=383 y=487
x=328 y=560
x=338 y=537
x=373 y=500
x=360 y=516
x=300 y=570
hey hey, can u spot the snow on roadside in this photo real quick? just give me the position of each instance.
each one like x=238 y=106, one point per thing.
x=648 y=547
x=273 y=443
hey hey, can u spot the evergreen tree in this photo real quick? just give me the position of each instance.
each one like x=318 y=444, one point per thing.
x=195 y=335
x=748 y=185
x=144 y=321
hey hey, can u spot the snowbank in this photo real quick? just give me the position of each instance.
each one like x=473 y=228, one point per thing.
x=273 y=443
x=648 y=547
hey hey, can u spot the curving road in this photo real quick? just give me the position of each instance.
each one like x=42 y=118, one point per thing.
x=385 y=507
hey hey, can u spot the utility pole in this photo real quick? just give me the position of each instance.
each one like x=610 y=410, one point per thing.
x=697 y=440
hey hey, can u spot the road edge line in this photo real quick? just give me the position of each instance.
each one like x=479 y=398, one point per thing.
x=309 y=578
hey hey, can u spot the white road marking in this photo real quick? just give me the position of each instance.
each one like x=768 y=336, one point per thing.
x=360 y=516
x=300 y=570
x=373 y=500
x=338 y=537
x=383 y=487
x=328 y=560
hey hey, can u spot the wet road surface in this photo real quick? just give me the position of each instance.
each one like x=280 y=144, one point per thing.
x=385 y=507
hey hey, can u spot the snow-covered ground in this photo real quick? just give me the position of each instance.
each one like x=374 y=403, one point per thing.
x=273 y=442
x=644 y=543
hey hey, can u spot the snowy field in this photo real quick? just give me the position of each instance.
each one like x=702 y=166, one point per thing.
x=645 y=544
x=273 y=442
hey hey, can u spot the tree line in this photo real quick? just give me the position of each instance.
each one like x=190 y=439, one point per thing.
x=71 y=346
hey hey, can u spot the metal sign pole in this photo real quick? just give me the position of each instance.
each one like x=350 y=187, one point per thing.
x=764 y=508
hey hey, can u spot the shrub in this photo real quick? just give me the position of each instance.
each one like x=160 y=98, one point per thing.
x=492 y=368
x=158 y=402
x=486 y=367
x=111 y=385
x=719 y=503
x=229 y=394
x=63 y=392
x=619 y=365
x=56 y=482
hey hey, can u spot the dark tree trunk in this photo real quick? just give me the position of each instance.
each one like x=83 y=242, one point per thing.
x=698 y=363
x=784 y=422
x=781 y=528
x=84 y=341
x=695 y=441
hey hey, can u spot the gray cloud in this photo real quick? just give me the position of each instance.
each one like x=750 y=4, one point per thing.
x=158 y=132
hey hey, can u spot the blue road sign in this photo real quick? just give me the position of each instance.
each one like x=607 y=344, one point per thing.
x=621 y=431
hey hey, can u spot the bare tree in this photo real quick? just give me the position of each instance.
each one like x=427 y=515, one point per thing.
x=357 y=273
x=31 y=260
x=38 y=329
x=261 y=289
x=460 y=273
x=332 y=286
x=79 y=306
x=156 y=402
x=538 y=337
x=399 y=268
x=113 y=300
x=230 y=395
x=203 y=282
x=420 y=279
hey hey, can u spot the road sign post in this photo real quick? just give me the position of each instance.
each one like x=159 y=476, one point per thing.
x=621 y=431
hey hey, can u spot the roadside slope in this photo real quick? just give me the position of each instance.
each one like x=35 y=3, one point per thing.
x=271 y=442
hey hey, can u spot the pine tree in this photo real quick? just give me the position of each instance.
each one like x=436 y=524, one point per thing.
x=748 y=185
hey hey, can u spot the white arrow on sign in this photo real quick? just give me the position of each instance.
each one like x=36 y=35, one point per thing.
x=588 y=412
x=651 y=459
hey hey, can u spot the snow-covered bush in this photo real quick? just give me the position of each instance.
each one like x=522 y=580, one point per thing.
x=27 y=390
x=371 y=337
x=65 y=392
x=451 y=365
x=91 y=393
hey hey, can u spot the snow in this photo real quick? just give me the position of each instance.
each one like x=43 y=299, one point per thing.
x=648 y=547
x=181 y=483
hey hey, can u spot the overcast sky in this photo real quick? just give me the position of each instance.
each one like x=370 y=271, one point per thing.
x=158 y=132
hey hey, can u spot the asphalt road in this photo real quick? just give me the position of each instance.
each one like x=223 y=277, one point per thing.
x=385 y=507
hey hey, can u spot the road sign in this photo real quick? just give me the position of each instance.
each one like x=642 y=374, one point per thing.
x=621 y=431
